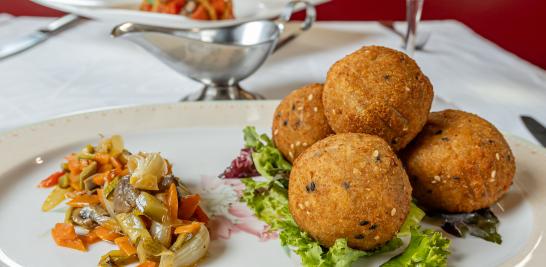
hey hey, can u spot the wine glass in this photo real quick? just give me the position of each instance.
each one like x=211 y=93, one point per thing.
x=413 y=16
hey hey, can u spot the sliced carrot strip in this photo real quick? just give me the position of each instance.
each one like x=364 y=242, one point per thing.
x=101 y=198
x=65 y=236
x=200 y=215
x=99 y=178
x=83 y=200
x=191 y=228
x=172 y=202
x=90 y=238
x=74 y=165
x=125 y=245
x=51 y=180
x=106 y=167
x=102 y=158
x=187 y=206
x=117 y=165
x=106 y=234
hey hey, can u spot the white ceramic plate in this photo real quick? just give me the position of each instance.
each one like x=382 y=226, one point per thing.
x=119 y=11
x=201 y=139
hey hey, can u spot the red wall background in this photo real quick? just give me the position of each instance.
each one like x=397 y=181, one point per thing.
x=515 y=25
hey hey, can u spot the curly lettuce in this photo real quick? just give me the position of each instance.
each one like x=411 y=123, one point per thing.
x=267 y=159
x=426 y=248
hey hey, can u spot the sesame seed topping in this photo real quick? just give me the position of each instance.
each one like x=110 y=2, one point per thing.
x=291 y=154
x=405 y=128
x=375 y=155
x=376 y=237
x=334 y=111
x=493 y=173
x=497 y=156
x=300 y=108
x=291 y=146
x=308 y=213
x=315 y=109
x=437 y=178
x=393 y=211
x=276 y=132
x=407 y=89
x=301 y=206
x=356 y=171
x=307 y=203
x=304 y=144
x=492 y=180
x=310 y=97
x=298 y=143
x=434 y=181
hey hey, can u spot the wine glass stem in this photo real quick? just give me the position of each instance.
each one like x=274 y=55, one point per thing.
x=413 y=16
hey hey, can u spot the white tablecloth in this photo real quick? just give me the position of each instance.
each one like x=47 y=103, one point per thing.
x=84 y=68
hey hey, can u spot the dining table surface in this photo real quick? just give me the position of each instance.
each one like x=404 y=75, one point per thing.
x=84 y=68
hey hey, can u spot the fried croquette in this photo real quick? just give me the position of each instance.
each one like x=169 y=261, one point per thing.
x=458 y=163
x=299 y=121
x=379 y=91
x=349 y=186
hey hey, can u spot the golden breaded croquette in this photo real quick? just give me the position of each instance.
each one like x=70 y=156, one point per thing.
x=349 y=186
x=458 y=163
x=379 y=91
x=299 y=121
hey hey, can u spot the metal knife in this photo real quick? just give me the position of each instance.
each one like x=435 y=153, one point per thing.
x=37 y=37
x=536 y=129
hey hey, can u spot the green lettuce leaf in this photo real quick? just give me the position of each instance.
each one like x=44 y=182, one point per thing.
x=427 y=248
x=413 y=219
x=269 y=201
x=267 y=158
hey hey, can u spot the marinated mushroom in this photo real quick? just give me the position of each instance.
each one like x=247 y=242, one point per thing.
x=124 y=196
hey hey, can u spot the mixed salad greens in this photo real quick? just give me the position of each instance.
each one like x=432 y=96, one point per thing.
x=481 y=223
x=131 y=200
x=269 y=201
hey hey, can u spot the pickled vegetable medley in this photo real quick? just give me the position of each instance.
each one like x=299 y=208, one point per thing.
x=195 y=9
x=131 y=200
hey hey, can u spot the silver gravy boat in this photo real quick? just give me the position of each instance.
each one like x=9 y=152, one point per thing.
x=219 y=58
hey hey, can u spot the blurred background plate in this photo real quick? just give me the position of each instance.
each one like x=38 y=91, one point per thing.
x=96 y=3
x=119 y=11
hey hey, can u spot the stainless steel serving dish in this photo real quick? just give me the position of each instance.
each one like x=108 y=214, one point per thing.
x=219 y=58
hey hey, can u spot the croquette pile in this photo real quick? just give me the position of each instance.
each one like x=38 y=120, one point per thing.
x=364 y=143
